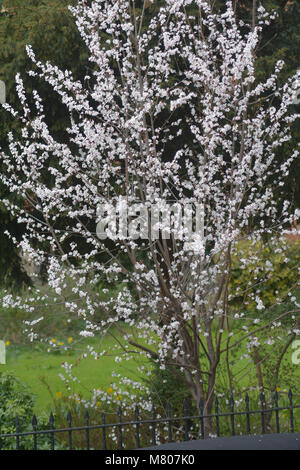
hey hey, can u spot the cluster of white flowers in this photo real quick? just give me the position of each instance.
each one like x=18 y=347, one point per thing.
x=151 y=80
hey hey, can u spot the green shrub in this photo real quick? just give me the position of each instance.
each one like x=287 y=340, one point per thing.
x=164 y=387
x=270 y=271
x=17 y=401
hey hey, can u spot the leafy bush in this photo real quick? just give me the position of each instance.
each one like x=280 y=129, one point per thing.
x=164 y=387
x=270 y=278
x=264 y=286
x=16 y=401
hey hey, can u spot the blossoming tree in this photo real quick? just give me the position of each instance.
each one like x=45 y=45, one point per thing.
x=170 y=113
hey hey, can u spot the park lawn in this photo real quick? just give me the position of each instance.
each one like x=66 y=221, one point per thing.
x=40 y=370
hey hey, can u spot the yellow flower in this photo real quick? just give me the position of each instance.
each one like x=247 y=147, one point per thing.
x=277 y=389
x=70 y=340
x=7 y=343
x=98 y=403
x=53 y=340
x=60 y=343
x=59 y=394
x=119 y=397
x=109 y=390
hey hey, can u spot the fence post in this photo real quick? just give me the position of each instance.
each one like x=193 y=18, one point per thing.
x=34 y=427
x=153 y=425
x=17 y=433
x=103 y=431
x=276 y=411
x=247 y=401
x=69 y=420
x=263 y=408
x=217 y=416
x=186 y=424
x=201 y=410
x=137 y=429
x=51 y=426
x=232 y=415
x=87 y=434
x=291 y=410
x=120 y=428
x=170 y=437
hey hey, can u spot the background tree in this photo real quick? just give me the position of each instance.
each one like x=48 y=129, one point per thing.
x=48 y=26
x=280 y=40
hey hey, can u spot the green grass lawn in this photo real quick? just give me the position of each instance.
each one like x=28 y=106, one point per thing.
x=40 y=370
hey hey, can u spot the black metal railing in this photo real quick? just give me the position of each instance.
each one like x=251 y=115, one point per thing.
x=271 y=417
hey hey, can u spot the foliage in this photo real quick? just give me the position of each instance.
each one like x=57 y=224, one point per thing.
x=273 y=278
x=12 y=274
x=164 y=387
x=17 y=403
x=281 y=42
x=268 y=291
x=15 y=400
x=48 y=26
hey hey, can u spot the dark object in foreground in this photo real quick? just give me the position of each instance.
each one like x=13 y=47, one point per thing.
x=259 y=442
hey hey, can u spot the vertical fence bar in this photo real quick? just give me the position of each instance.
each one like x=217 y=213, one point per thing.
x=153 y=425
x=137 y=428
x=87 y=432
x=217 y=416
x=186 y=423
x=34 y=427
x=120 y=428
x=17 y=433
x=169 y=416
x=290 y=395
x=247 y=401
x=103 y=431
x=232 y=415
x=69 y=420
x=276 y=411
x=51 y=426
x=201 y=410
x=263 y=408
